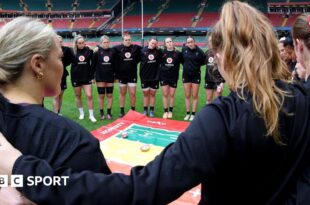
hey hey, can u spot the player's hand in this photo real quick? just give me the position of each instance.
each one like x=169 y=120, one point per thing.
x=8 y=156
x=293 y=74
x=10 y=196
x=220 y=88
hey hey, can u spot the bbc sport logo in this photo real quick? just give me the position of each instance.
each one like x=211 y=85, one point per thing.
x=18 y=181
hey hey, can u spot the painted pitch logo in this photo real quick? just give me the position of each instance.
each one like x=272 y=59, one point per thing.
x=211 y=60
x=169 y=60
x=127 y=55
x=151 y=57
x=81 y=58
x=106 y=59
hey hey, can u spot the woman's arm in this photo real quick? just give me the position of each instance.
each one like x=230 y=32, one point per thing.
x=193 y=158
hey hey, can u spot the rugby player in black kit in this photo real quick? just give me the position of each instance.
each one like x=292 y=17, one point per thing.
x=214 y=82
x=194 y=58
x=82 y=76
x=149 y=71
x=66 y=61
x=169 y=75
x=103 y=64
x=127 y=59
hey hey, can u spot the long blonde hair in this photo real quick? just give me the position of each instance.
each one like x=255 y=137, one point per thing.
x=251 y=59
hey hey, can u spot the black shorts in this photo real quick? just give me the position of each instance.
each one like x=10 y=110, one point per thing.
x=210 y=85
x=170 y=83
x=80 y=83
x=105 y=81
x=127 y=80
x=63 y=84
x=193 y=78
x=150 y=84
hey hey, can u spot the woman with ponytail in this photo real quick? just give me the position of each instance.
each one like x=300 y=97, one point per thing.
x=301 y=39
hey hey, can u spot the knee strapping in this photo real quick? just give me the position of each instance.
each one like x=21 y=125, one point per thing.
x=109 y=90
x=101 y=90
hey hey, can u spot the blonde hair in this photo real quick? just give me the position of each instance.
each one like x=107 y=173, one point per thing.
x=104 y=37
x=20 y=39
x=75 y=43
x=251 y=59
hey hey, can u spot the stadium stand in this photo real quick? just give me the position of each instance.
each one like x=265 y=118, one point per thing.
x=174 y=20
x=10 y=5
x=36 y=5
x=213 y=6
x=87 y=4
x=106 y=4
x=208 y=19
x=183 y=6
x=132 y=17
x=89 y=23
x=60 y=23
x=161 y=17
x=276 y=19
x=62 y=5
x=157 y=14
x=179 y=13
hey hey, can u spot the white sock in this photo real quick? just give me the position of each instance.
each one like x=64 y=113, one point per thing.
x=81 y=111
x=91 y=113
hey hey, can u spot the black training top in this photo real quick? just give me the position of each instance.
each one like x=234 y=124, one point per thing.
x=81 y=70
x=66 y=59
x=225 y=148
x=103 y=64
x=63 y=143
x=149 y=66
x=170 y=65
x=127 y=59
x=212 y=73
x=193 y=60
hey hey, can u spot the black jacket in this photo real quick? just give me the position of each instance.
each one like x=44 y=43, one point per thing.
x=66 y=59
x=212 y=72
x=225 y=148
x=103 y=64
x=127 y=59
x=61 y=142
x=149 y=66
x=193 y=60
x=81 y=70
x=170 y=65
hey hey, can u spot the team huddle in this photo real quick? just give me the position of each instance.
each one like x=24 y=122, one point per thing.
x=250 y=147
x=105 y=65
